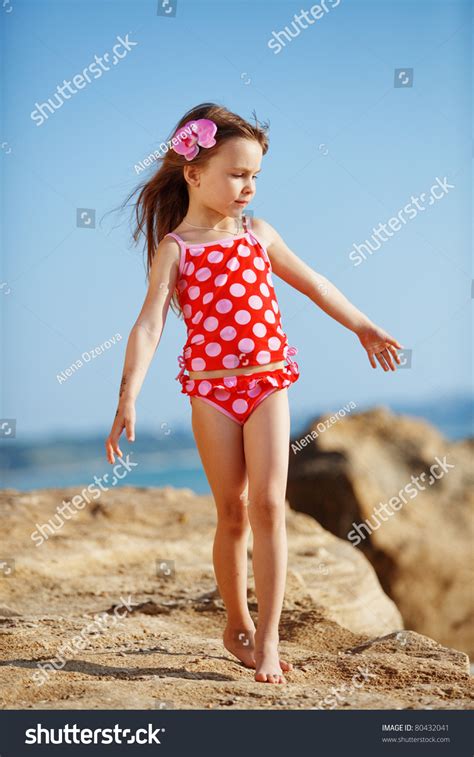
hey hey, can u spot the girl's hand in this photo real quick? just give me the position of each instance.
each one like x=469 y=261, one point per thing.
x=124 y=419
x=381 y=345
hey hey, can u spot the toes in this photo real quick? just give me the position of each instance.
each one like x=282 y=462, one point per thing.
x=269 y=678
x=278 y=678
x=286 y=665
x=275 y=678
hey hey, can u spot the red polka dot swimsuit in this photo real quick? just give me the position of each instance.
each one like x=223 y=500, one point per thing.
x=225 y=290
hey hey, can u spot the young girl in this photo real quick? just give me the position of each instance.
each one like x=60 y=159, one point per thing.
x=208 y=260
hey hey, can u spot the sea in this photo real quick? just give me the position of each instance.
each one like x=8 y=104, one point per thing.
x=168 y=459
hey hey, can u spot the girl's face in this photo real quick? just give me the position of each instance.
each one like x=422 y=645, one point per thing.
x=228 y=181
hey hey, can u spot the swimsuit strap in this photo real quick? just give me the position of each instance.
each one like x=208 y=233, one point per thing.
x=182 y=250
x=176 y=236
x=247 y=222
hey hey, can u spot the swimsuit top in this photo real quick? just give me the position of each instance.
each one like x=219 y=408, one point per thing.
x=229 y=305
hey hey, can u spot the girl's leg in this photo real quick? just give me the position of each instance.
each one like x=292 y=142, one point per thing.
x=266 y=449
x=220 y=444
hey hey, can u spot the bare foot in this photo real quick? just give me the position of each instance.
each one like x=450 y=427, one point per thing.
x=268 y=668
x=241 y=643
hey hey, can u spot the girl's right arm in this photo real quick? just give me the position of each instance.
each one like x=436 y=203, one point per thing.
x=143 y=341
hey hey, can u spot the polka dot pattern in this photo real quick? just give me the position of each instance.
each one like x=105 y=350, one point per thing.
x=230 y=307
x=224 y=306
x=228 y=333
x=238 y=396
x=203 y=274
x=255 y=302
x=213 y=349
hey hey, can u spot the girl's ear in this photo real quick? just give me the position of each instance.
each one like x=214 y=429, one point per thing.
x=191 y=175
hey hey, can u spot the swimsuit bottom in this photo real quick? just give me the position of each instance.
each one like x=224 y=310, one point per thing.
x=238 y=396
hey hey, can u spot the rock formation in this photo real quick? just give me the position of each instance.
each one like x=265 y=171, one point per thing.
x=119 y=605
x=368 y=478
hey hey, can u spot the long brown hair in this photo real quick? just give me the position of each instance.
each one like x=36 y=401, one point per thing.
x=163 y=200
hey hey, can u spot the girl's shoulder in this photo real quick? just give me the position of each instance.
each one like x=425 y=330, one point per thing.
x=263 y=230
x=183 y=233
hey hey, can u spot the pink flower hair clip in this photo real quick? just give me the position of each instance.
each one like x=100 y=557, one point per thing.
x=200 y=132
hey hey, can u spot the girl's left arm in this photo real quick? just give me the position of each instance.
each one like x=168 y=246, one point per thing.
x=289 y=267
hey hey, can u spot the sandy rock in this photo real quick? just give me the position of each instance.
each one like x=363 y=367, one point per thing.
x=338 y=580
x=421 y=543
x=72 y=646
x=8 y=612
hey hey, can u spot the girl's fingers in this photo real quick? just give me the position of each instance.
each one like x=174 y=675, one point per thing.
x=110 y=450
x=386 y=355
x=112 y=443
x=381 y=360
x=130 y=431
x=114 y=438
x=393 y=341
x=388 y=359
x=114 y=447
x=394 y=352
x=107 y=451
x=372 y=360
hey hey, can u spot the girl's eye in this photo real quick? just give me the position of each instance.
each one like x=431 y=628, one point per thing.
x=239 y=175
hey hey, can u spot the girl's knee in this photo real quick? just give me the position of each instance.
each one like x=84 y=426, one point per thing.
x=232 y=515
x=267 y=510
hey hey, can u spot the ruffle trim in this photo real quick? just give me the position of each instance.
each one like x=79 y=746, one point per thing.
x=278 y=378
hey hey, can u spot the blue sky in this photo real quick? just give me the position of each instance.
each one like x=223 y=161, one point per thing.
x=348 y=150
